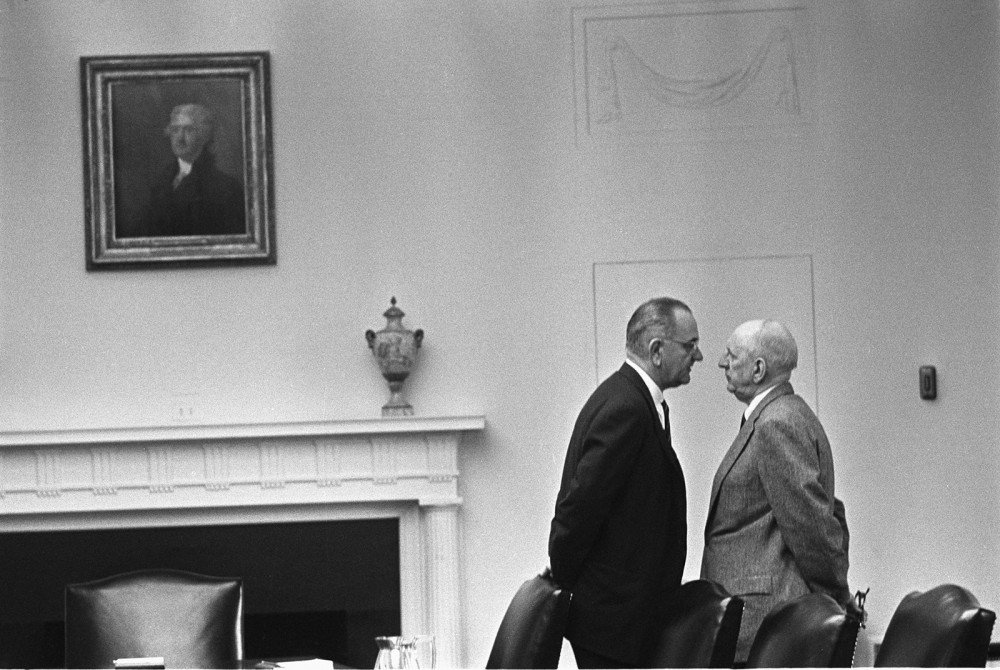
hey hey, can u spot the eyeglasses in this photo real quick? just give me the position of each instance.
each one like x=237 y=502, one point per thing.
x=690 y=346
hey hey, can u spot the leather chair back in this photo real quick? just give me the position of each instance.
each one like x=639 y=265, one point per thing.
x=701 y=627
x=809 y=631
x=191 y=620
x=531 y=632
x=942 y=627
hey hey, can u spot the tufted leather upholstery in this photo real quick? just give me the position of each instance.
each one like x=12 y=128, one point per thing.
x=191 y=620
x=701 y=627
x=942 y=627
x=531 y=632
x=809 y=631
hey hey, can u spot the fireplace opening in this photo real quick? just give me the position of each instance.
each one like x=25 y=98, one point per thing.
x=311 y=589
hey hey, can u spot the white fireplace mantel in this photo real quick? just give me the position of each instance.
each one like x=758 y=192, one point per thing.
x=402 y=467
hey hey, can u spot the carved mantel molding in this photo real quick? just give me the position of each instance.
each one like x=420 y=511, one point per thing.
x=250 y=464
x=402 y=467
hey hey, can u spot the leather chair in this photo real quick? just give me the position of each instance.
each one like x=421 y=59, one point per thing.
x=942 y=627
x=531 y=632
x=191 y=620
x=809 y=631
x=701 y=627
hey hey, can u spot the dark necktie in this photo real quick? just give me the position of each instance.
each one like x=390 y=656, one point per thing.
x=743 y=420
x=666 y=421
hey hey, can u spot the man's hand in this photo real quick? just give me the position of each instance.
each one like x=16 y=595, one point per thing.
x=856 y=606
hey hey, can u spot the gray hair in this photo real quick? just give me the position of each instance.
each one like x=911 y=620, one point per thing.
x=653 y=318
x=774 y=343
x=202 y=115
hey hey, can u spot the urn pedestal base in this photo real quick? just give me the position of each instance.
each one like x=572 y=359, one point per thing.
x=397 y=406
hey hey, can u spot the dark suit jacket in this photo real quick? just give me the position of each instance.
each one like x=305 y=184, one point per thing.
x=618 y=539
x=775 y=530
x=206 y=202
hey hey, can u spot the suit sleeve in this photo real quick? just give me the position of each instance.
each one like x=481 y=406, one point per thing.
x=841 y=515
x=811 y=522
x=609 y=449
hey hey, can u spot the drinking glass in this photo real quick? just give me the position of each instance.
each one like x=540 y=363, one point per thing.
x=391 y=653
x=396 y=652
x=424 y=652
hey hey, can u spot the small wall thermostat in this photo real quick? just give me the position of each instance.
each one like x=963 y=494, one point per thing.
x=928 y=382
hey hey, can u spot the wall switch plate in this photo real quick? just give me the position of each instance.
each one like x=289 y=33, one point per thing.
x=928 y=382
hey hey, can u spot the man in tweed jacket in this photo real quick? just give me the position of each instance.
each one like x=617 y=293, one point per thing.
x=775 y=530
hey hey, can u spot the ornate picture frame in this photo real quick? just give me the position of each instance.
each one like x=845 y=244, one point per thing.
x=177 y=160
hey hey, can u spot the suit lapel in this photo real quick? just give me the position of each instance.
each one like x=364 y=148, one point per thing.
x=739 y=445
x=678 y=488
x=654 y=416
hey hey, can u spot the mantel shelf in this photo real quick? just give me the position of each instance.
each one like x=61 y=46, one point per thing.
x=184 y=432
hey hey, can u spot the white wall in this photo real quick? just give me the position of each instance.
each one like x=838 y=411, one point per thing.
x=427 y=150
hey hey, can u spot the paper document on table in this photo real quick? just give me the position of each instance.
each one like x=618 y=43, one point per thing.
x=310 y=664
x=146 y=662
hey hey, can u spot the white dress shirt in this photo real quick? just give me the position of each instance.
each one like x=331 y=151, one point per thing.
x=654 y=391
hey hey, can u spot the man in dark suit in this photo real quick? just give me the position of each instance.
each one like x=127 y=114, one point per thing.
x=618 y=539
x=774 y=530
x=191 y=196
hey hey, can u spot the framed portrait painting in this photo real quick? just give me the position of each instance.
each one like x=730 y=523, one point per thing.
x=177 y=160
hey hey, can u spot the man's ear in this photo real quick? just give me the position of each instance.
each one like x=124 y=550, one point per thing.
x=655 y=350
x=759 y=370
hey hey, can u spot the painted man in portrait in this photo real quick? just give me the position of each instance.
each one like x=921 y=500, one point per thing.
x=191 y=196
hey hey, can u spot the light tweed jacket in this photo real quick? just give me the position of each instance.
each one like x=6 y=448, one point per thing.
x=775 y=530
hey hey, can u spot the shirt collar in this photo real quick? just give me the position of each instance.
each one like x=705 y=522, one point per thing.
x=756 y=401
x=654 y=390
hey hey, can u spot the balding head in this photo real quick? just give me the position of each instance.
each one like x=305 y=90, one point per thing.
x=773 y=342
x=759 y=354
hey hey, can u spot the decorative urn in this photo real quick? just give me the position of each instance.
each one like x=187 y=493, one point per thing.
x=395 y=349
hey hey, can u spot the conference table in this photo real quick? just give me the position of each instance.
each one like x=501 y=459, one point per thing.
x=292 y=664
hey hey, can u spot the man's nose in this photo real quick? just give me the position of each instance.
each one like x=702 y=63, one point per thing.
x=723 y=362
